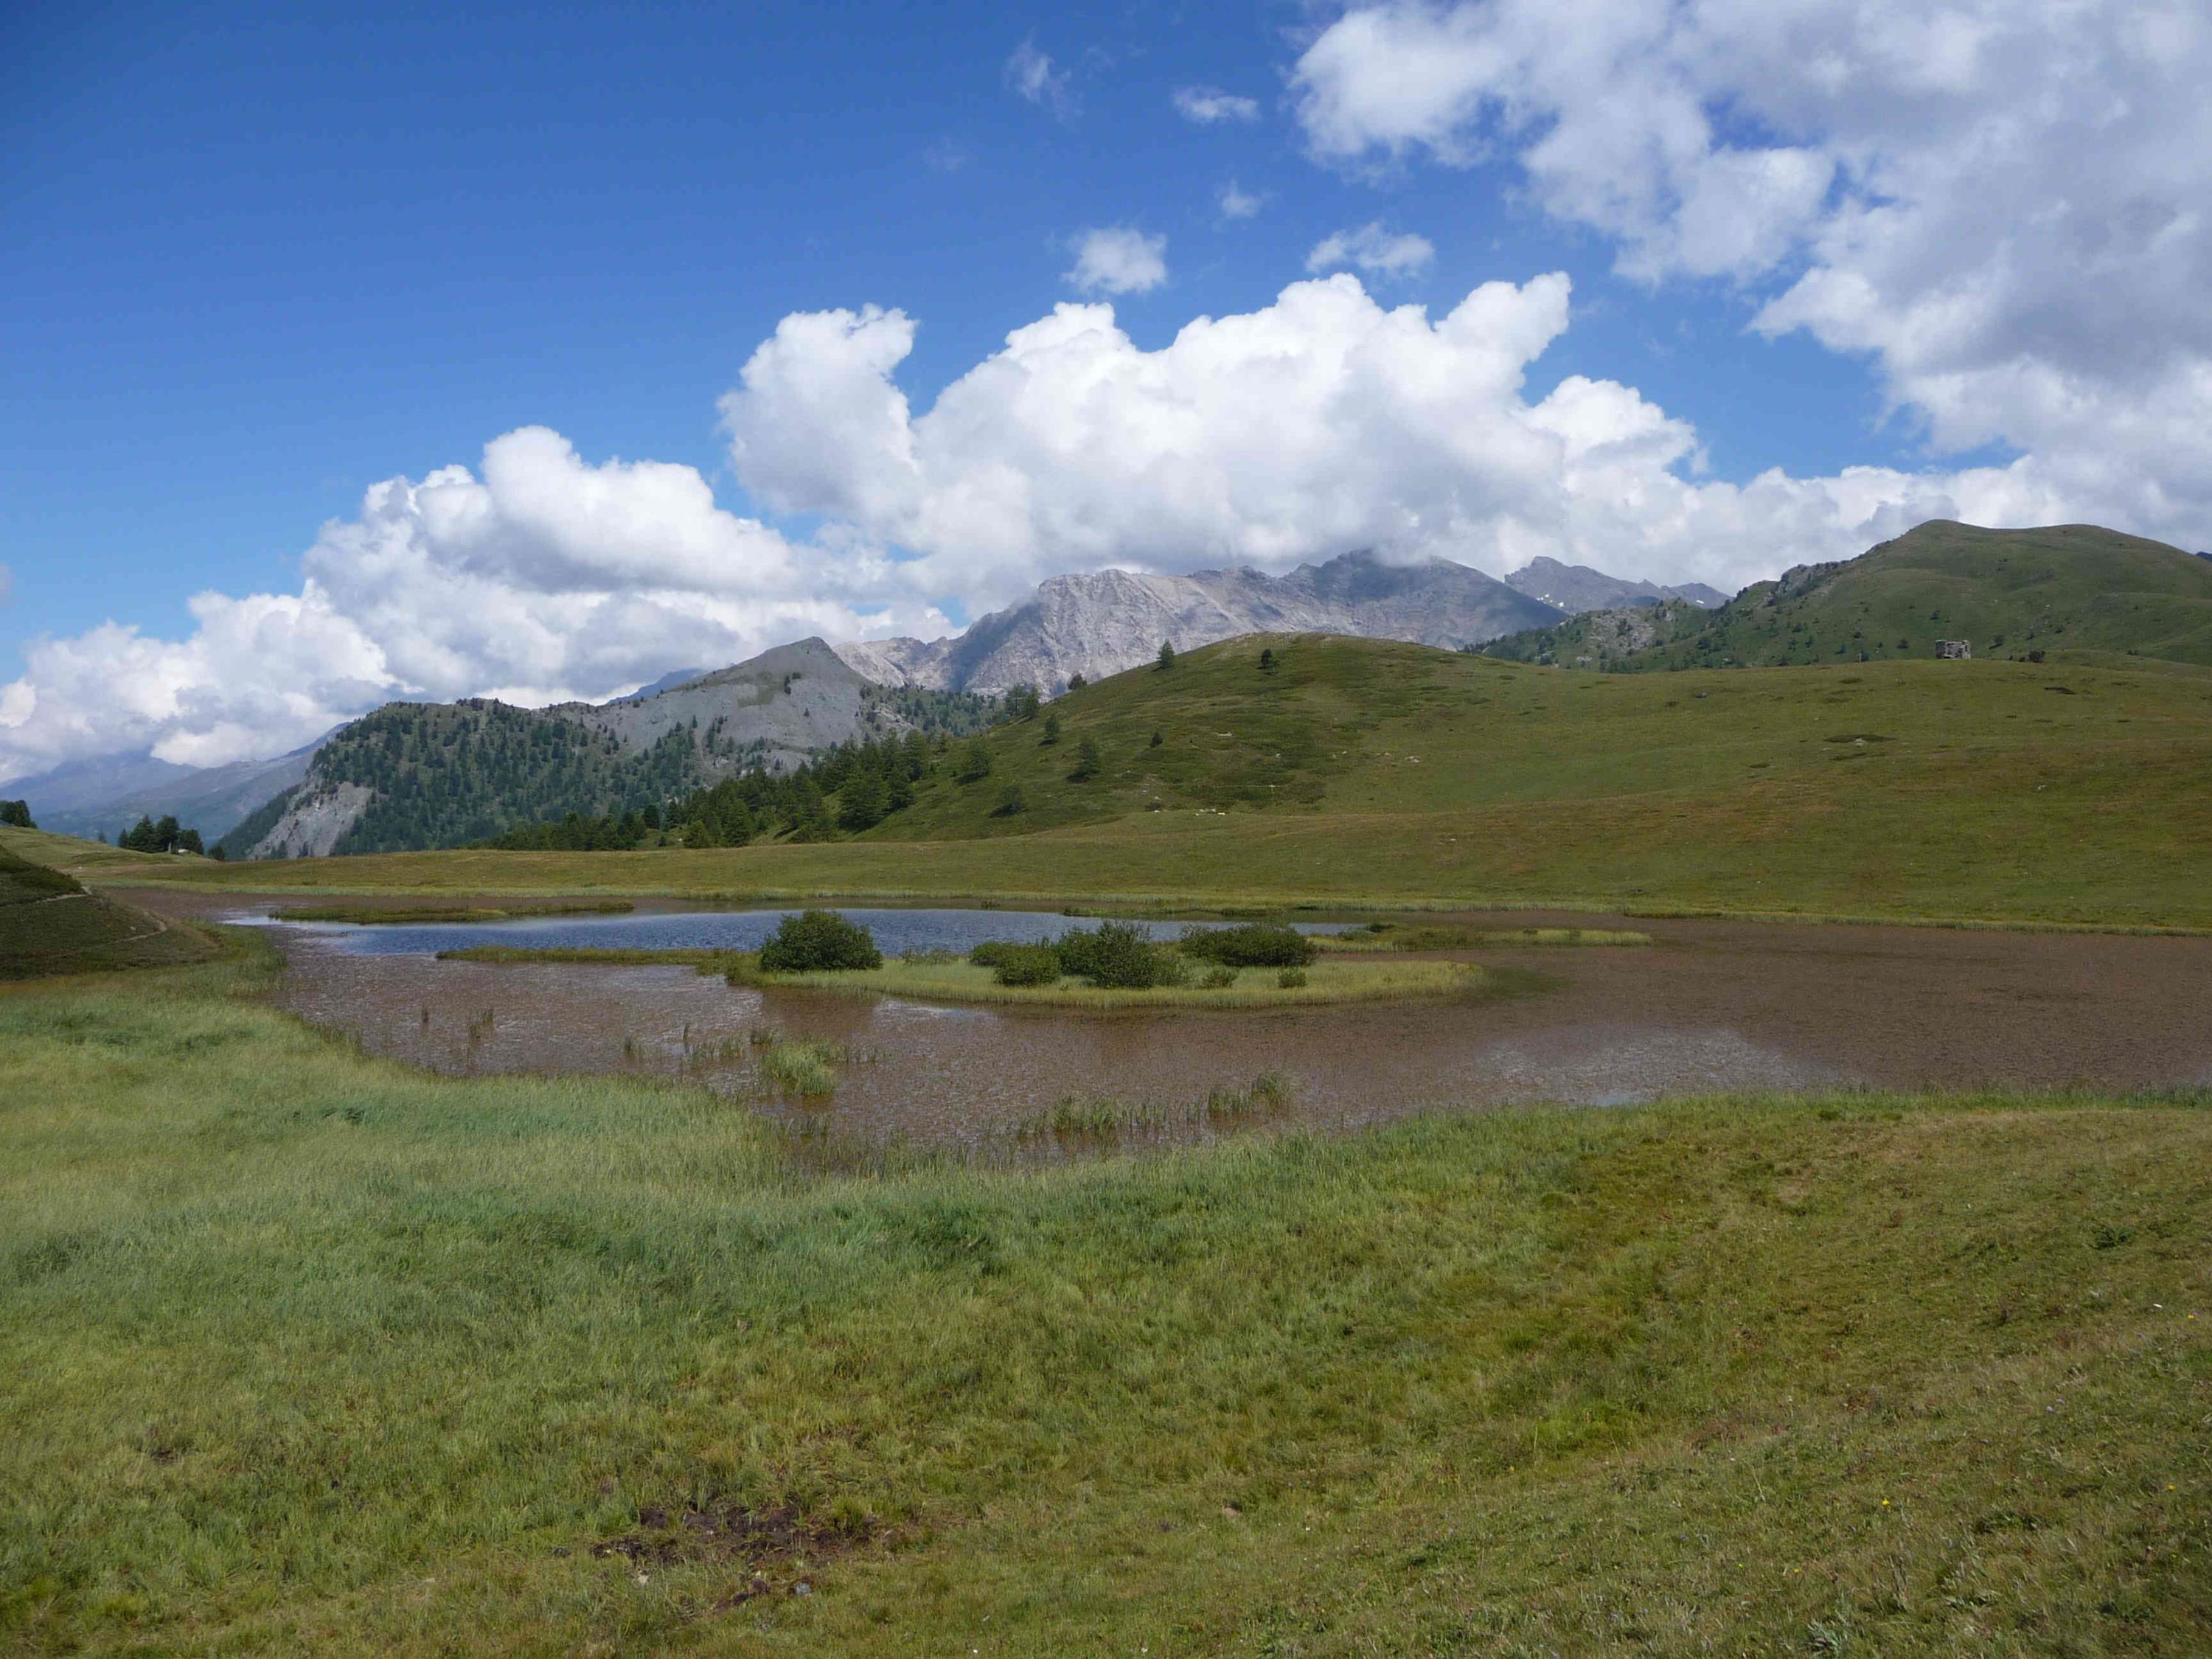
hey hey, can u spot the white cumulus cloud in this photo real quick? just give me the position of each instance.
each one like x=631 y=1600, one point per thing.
x=1033 y=76
x=1115 y=260
x=2005 y=204
x=1372 y=249
x=1208 y=106
x=1320 y=423
x=1236 y=203
x=538 y=576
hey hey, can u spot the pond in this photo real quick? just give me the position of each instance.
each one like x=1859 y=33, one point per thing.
x=1710 y=1007
x=897 y=932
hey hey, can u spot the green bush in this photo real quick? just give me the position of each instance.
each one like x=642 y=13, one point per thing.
x=1255 y=945
x=1119 y=957
x=1291 y=979
x=818 y=941
x=1026 y=965
x=1216 y=979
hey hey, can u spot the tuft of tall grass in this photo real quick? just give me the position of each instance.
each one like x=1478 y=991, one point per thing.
x=1100 y=1117
x=804 y=1066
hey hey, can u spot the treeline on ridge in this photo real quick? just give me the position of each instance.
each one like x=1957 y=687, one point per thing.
x=869 y=780
x=471 y=772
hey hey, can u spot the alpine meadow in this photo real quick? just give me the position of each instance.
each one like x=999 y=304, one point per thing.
x=1382 y=832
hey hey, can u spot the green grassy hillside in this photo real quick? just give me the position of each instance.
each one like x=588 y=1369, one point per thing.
x=303 y=1353
x=2065 y=591
x=1364 y=771
x=49 y=924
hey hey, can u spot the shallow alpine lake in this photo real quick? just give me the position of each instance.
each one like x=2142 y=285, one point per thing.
x=897 y=932
x=1707 y=1008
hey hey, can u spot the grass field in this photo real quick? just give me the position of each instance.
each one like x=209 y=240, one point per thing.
x=1368 y=774
x=301 y=1352
x=49 y=924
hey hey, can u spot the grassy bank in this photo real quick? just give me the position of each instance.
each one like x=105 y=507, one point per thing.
x=50 y=924
x=927 y=980
x=1252 y=987
x=401 y=915
x=300 y=1351
x=1364 y=774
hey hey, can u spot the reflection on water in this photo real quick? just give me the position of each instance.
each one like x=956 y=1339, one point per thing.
x=1710 y=1008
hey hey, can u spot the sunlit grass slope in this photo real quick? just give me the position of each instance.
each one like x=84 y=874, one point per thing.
x=2065 y=590
x=300 y=1353
x=1361 y=771
x=49 y=924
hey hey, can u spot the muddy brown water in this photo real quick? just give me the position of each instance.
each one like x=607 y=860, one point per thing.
x=1708 y=1007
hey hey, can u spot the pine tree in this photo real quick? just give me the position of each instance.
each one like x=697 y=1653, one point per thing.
x=1167 y=655
x=864 y=801
x=1051 y=728
x=1089 y=763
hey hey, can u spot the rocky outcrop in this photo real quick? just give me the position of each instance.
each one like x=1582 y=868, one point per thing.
x=1100 y=624
x=315 y=819
x=775 y=708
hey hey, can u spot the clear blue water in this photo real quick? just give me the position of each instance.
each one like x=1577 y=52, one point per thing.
x=897 y=932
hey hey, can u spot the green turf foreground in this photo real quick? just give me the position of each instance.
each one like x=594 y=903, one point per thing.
x=301 y=1352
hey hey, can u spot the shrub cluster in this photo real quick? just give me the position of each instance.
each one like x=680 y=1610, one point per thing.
x=1119 y=956
x=1115 y=956
x=1030 y=964
x=1255 y=945
x=819 y=941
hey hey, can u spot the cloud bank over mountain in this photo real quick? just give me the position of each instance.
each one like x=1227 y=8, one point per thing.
x=2004 y=208
x=1321 y=422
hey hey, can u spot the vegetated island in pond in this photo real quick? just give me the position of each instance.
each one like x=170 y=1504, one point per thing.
x=1110 y=967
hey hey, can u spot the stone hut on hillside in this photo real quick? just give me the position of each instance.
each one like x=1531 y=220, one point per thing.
x=1955 y=650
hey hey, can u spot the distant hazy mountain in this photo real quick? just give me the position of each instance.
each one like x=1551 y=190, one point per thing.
x=413 y=776
x=1097 y=625
x=667 y=682
x=2065 y=589
x=1575 y=588
x=101 y=797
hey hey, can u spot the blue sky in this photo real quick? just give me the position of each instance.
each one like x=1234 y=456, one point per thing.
x=253 y=263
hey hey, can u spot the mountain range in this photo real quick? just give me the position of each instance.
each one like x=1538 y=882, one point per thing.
x=423 y=774
x=1091 y=625
x=437 y=775
x=103 y=796
x=1100 y=624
